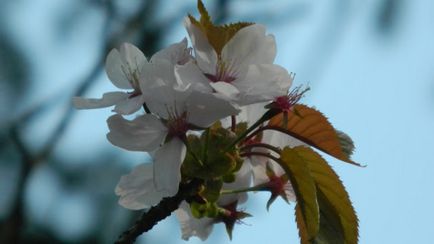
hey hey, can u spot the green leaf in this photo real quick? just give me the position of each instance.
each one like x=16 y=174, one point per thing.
x=302 y=231
x=338 y=220
x=330 y=231
x=304 y=188
x=205 y=19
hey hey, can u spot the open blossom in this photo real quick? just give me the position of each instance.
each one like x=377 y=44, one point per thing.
x=243 y=71
x=127 y=69
x=218 y=124
x=174 y=113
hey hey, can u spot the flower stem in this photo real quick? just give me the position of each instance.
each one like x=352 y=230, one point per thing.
x=145 y=107
x=279 y=129
x=248 y=189
x=205 y=148
x=233 y=123
x=263 y=145
x=267 y=116
x=267 y=155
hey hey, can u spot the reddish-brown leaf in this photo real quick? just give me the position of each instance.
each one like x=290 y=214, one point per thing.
x=312 y=127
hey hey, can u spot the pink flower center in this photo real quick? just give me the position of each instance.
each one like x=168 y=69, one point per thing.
x=223 y=73
x=283 y=103
x=231 y=213
x=177 y=125
x=135 y=93
x=276 y=185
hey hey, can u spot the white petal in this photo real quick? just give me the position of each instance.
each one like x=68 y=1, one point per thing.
x=177 y=53
x=157 y=74
x=205 y=109
x=107 y=100
x=263 y=82
x=191 y=226
x=205 y=54
x=115 y=70
x=190 y=75
x=243 y=179
x=281 y=140
x=289 y=192
x=132 y=57
x=227 y=90
x=166 y=100
x=250 y=45
x=251 y=113
x=130 y=105
x=144 y=133
x=136 y=189
x=167 y=166
x=258 y=169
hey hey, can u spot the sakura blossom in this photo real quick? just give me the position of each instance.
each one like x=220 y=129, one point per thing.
x=218 y=122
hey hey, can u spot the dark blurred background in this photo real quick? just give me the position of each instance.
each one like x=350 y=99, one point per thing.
x=369 y=64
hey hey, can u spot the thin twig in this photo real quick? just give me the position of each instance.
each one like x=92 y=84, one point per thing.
x=248 y=147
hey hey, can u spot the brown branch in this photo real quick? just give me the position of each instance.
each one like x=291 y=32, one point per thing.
x=157 y=213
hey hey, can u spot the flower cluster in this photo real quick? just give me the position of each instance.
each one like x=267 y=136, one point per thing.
x=219 y=113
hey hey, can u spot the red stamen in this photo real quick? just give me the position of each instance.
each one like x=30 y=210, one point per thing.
x=223 y=73
x=134 y=93
x=285 y=103
x=178 y=125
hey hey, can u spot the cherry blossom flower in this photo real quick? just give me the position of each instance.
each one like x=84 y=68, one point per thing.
x=205 y=128
x=127 y=69
x=175 y=112
x=243 y=72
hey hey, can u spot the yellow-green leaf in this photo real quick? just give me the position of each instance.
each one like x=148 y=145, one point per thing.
x=313 y=128
x=338 y=220
x=330 y=231
x=217 y=35
x=205 y=19
x=304 y=188
x=302 y=231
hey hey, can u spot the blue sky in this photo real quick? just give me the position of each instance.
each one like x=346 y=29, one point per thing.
x=378 y=89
